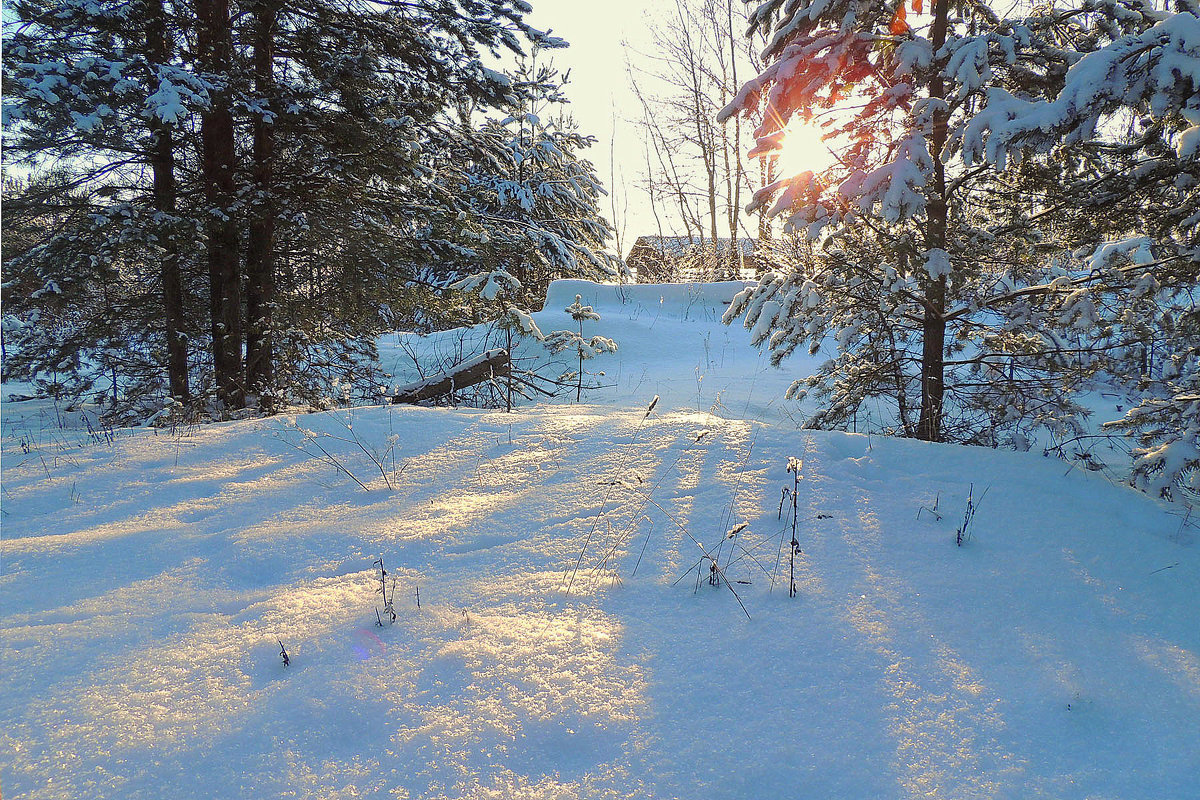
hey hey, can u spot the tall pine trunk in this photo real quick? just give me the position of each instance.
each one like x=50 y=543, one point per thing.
x=219 y=157
x=260 y=244
x=162 y=166
x=933 y=327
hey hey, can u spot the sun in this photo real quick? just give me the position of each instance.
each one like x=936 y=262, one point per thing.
x=803 y=149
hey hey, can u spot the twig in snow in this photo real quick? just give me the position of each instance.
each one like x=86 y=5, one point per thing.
x=388 y=600
x=962 y=536
x=932 y=510
x=640 y=514
x=715 y=568
x=1183 y=523
x=728 y=514
x=794 y=467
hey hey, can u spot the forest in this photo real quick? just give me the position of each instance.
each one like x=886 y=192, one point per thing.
x=214 y=206
x=462 y=400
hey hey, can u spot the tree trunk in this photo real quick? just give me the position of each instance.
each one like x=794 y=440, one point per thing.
x=734 y=194
x=491 y=364
x=705 y=137
x=933 y=327
x=260 y=244
x=215 y=40
x=162 y=166
x=766 y=169
x=933 y=347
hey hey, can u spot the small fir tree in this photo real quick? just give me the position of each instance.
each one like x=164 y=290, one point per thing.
x=574 y=341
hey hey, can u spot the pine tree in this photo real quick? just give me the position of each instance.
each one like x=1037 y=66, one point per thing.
x=1142 y=214
x=584 y=347
x=534 y=217
x=534 y=199
x=302 y=150
x=260 y=240
x=159 y=50
x=95 y=99
x=218 y=162
x=937 y=279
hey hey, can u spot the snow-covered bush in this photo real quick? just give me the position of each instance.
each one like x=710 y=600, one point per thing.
x=1167 y=425
x=584 y=348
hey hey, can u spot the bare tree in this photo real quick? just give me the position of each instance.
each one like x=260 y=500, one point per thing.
x=695 y=167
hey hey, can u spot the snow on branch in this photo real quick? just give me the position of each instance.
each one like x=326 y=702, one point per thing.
x=1158 y=69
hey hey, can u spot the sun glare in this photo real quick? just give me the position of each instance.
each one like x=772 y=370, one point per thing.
x=803 y=149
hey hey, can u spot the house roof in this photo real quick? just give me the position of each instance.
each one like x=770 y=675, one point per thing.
x=680 y=245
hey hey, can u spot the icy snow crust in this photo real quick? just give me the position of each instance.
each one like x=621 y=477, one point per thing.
x=144 y=586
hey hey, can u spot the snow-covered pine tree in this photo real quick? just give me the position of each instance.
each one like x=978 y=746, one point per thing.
x=535 y=199
x=513 y=323
x=534 y=214
x=1133 y=106
x=365 y=170
x=1166 y=422
x=339 y=191
x=935 y=278
x=584 y=347
x=95 y=101
x=354 y=128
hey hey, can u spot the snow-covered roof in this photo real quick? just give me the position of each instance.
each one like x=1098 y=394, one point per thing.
x=679 y=245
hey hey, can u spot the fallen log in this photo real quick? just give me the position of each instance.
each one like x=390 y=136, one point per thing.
x=488 y=365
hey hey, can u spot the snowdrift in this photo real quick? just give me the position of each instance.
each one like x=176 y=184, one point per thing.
x=571 y=638
x=673 y=299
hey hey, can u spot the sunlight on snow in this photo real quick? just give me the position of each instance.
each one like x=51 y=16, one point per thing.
x=1181 y=667
x=148 y=587
x=941 y=719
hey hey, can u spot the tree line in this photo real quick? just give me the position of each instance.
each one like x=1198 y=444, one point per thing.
x=220 y=203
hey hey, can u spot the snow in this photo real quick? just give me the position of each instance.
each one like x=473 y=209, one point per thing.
x=145 y=584
x=167 y=104
x=490 y=285
x=937 y=263
x=1135 y=248
x=1159 y=66
x=1189 y=143
x=897 y=187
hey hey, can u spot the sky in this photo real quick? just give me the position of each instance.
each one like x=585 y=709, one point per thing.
x=602 y=101
x=605 y=39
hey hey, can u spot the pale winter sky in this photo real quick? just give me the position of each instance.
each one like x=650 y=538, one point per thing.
x=605 y=37
x=601 y=99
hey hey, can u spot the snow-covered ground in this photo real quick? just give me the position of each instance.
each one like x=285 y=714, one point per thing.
x=671 y=343
x=568 y=641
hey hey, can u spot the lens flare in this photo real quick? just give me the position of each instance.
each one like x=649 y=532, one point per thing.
x=367 y=645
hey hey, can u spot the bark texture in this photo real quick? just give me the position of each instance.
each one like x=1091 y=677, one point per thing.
x=260 y=243
x=161 y=156
x=933 y=328
x=218 y=160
